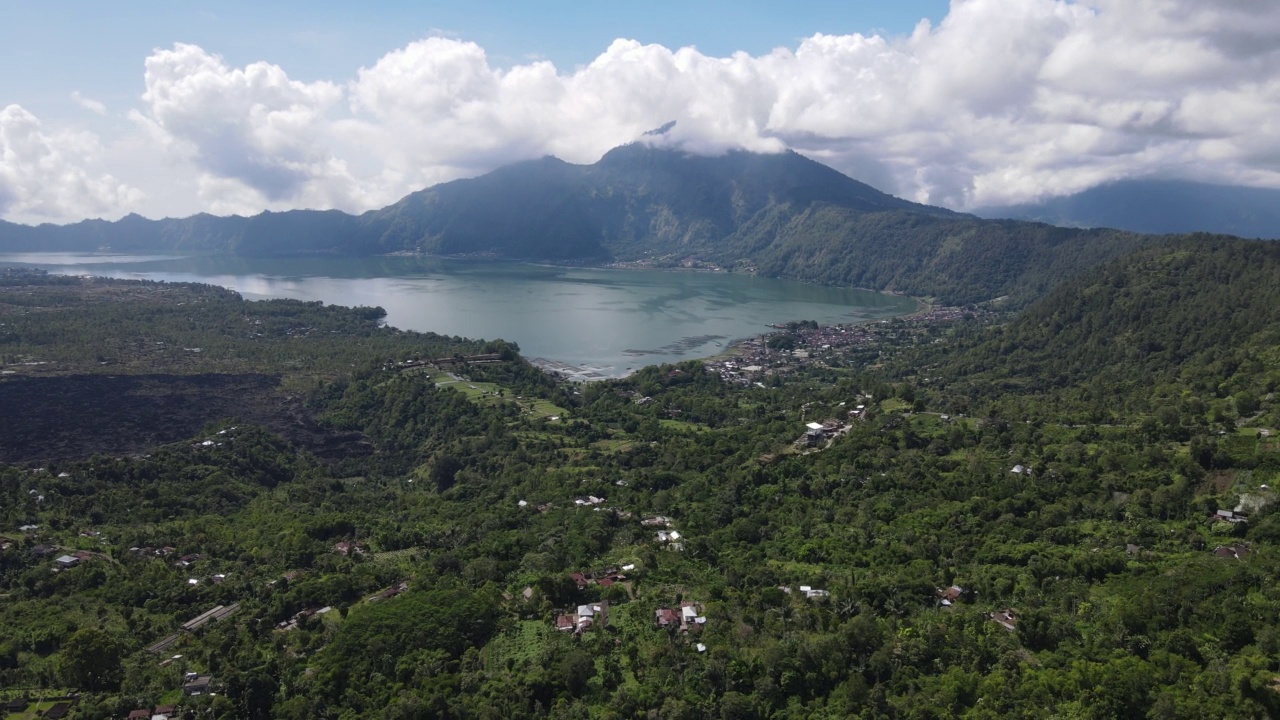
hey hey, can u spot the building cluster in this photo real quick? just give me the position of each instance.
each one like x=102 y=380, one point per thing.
x=687 y=619
x=349 y=547
x=816 y=433
x=584 y=617
x=1230 y=516
x=755 y=360
x=301 y=617
x=606 y=577
x=808 y=591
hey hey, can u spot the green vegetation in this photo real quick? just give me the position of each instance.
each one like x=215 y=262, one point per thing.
x=1023 y=522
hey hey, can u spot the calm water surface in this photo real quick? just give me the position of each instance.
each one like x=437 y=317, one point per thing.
x=610 y=320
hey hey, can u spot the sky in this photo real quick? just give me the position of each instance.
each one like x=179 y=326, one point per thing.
x=173 y=108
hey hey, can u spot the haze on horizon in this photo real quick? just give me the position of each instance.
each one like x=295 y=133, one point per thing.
x=232 y=109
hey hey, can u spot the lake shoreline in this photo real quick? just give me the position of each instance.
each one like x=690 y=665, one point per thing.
x=586 y=321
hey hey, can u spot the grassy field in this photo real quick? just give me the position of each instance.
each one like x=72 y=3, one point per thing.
x=682 y=426
x=494 y=393
x=394 y=554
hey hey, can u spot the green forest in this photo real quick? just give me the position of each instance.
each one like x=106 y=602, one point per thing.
x=1064 y=511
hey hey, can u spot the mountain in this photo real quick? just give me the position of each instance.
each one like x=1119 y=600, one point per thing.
x=636 y=201
x=776 y=214
x=1161 y=207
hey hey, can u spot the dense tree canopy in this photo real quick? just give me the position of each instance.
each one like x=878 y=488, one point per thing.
x=1068 y=512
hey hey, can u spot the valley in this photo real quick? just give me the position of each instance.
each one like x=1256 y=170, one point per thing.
x=1003 y=510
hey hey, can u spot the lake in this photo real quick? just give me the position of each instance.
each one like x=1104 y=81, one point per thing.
x=605 y=322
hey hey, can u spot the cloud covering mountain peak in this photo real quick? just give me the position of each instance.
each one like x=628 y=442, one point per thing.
x=1003 y=101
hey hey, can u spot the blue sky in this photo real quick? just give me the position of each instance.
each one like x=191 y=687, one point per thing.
x=172 y=108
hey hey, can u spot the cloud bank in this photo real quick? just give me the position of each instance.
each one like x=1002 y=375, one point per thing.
x=1003 y=101
x=50 y=176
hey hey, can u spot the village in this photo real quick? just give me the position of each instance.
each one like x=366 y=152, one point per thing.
x=804 y=344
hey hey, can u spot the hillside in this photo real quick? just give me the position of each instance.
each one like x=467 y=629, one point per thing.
x=1197 y=318
x=1160 y=207
x=506 y=546
x=778 y=215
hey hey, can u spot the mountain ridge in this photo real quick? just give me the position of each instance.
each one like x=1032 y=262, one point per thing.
x=780 y=214
x=1158 y=207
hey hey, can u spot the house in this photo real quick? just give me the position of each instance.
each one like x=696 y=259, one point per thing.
x=688 y=617
x=656 y=521
x=58 y=711
x=167 y=711
x=1005 y=619
x=1231 y=516
x=16 y=705
x=948 y=595
x=140 y=715
x=67 y=561
x=390 y=592
x=41 y=550
x=667 y=617
x=583 y=617
x=1234 y=552
x=188 y=560
x=28 y=528
x=196 y=684
x=592 y=615
x=1021 y=470
x=813 y=593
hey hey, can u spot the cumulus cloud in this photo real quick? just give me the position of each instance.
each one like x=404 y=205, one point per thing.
x=49 y=176
x=1002 y=101
x=251 y=125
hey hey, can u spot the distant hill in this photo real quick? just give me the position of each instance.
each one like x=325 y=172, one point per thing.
x=776 y=214
x=1199 y=314
x=1160 y=207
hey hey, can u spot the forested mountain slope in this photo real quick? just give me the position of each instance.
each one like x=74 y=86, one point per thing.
x=776 y=214
x=1200 y=315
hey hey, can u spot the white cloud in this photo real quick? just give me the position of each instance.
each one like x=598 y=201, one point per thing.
x=50 y=176
x=1002 y=101
x=250 y=125
x=94 y=106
